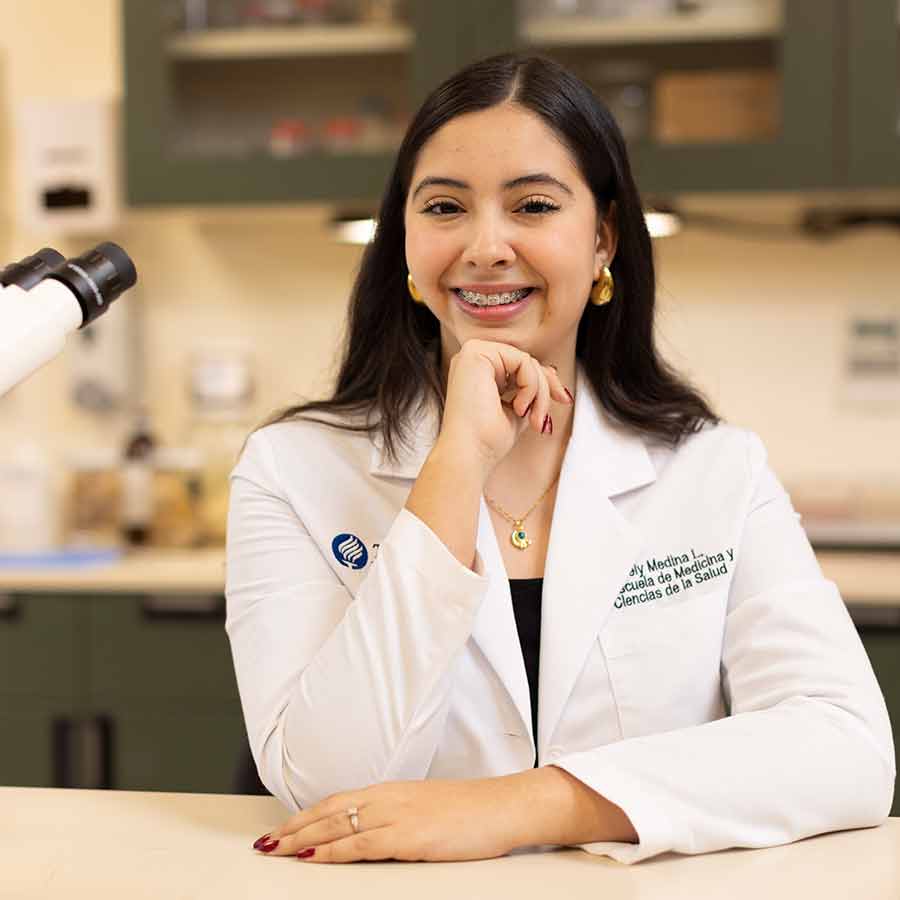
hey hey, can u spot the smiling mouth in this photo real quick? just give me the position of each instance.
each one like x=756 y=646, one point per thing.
x=477 y=300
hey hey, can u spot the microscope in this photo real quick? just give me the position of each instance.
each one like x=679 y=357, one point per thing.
x=45 y=297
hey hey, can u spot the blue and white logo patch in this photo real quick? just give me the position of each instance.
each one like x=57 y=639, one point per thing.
x=350 y=551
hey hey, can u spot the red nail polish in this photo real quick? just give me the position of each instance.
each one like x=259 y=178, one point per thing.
x=548 y=425
x=305 y=854
x=528 y=408
x=260 y=841
x=268 y=848
x=569 y=394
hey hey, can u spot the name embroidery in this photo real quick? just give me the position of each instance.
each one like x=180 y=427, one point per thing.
x=655 y=578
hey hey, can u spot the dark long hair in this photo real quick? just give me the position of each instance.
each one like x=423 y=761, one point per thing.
x=389 y=364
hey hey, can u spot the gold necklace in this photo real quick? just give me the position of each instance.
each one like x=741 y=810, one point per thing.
x=519 y=538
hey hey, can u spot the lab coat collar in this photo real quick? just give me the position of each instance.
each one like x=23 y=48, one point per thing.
x=591 y=550
x=619 y=456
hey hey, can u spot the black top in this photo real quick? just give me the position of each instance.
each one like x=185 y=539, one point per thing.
x=526 y=600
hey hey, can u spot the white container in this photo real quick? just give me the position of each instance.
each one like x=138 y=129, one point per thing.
x=29 y=511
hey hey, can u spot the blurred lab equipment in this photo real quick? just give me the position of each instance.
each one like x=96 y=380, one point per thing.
x=137 y=482
x=221 y=389
x=44 y=297
x=94 y=498
x=68 y=165
x=177 y=495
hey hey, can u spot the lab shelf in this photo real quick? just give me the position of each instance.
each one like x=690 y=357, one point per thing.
x=280 y=41
x=708 y=23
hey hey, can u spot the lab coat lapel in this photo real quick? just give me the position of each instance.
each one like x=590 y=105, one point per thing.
x=494 y=631
x=591 y=550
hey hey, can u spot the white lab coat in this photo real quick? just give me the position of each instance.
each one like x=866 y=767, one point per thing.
x=741 y=711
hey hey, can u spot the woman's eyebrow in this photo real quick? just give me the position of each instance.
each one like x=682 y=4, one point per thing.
x=535 y=178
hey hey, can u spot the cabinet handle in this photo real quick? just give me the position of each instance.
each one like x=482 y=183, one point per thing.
x=174 y=607
x=83 y=752
x=63 y=776
x=97 y=757
x=10 y=608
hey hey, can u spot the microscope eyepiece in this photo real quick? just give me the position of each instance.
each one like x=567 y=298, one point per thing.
x=45 y=297
x=97 y=277
x=33 y=269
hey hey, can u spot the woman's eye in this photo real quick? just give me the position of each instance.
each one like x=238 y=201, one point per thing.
x=534 y=206
x=537 y=206
x=430 y=209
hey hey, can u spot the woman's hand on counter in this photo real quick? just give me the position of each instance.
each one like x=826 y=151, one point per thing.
x=434 y=820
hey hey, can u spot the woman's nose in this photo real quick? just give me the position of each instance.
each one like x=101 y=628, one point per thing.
x=488 y=244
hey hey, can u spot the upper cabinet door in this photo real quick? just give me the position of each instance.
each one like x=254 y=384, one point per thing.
x=710 y=94
x=229 y=101
x=874 y=93
x=283 y=101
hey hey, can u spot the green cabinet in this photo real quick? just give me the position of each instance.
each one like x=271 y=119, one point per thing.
x=41 y=684
x=187 y=748
x=146 y=651
x=883 y=648
x=791 y=44
x=40 y=647
x=834 y=65
x=183 y=146
x=162 y=671
x=873 y=90
x=202 y=107
x=33 y=752
x=133 y=692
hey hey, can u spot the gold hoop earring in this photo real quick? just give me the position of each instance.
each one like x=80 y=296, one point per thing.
x=602 y=291
x=411 y=285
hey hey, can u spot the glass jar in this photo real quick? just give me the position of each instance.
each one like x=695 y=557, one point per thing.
x=221 y=389
x=94 y=498
x=177 y=487
x=218 y=436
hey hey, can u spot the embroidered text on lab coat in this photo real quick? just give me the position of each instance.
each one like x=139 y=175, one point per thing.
x=658 y=578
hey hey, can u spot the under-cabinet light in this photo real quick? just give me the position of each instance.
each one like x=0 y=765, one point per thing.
x=350 y=230
x=662 y=222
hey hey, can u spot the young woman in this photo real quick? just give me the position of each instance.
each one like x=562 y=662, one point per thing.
x=515 y=584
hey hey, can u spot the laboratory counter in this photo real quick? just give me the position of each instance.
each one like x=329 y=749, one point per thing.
x=146 y=845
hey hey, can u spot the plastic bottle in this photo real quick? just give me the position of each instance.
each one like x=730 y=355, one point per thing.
x=137 y=483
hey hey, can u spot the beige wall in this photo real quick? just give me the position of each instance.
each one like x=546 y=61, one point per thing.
x=758 y=325
x=761 y=325
x=6 y=182
x=49 y=48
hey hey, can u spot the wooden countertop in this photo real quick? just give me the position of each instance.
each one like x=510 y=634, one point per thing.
x=150 y=570
x=863 y=578
x=64 y=842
